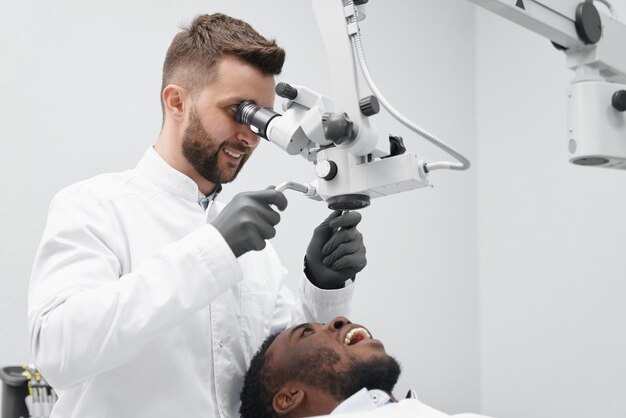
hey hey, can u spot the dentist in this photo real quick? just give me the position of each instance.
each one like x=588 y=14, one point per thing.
x=148 y=297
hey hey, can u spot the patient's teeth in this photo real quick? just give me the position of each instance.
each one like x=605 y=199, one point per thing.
x=353 y=332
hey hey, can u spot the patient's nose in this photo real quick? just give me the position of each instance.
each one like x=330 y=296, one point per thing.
x=338 y=323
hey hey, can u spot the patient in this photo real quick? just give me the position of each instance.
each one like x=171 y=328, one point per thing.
x=318 y=369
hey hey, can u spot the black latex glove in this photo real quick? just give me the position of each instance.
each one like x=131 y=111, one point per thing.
x=248 y=220
x=336 y=252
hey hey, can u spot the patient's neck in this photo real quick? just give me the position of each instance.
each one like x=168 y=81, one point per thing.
x=316 y=402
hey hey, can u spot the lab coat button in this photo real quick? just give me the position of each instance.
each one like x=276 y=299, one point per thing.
x=221 y=344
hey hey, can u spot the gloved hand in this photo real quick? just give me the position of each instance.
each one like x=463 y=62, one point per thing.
x=248 y=220
x=335 y=255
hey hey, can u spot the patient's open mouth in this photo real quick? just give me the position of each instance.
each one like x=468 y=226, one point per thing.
x=355 y=335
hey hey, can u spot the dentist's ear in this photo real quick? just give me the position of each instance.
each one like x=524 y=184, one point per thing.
x=173 y=97
x=288 y=399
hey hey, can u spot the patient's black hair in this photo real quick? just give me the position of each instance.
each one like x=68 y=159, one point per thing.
x=256 y=399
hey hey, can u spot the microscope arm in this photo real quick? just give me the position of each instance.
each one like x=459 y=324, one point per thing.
x=594 y=48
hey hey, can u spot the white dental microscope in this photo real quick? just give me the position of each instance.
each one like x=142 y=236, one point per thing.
x=353 y=164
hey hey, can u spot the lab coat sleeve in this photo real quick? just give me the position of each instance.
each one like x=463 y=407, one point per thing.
x=312 y=305
x=322 y=305
x=85 y=317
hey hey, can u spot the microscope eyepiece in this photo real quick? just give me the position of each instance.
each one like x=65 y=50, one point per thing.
x=256 y=117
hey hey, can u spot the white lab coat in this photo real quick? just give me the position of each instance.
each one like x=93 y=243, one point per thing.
x=377 y=404
x=138 y=307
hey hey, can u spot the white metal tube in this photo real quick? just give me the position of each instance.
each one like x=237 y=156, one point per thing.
x=463 y=162
x=305 y=189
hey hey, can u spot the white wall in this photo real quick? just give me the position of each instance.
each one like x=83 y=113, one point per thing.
x=79 y=88
x=551 y=240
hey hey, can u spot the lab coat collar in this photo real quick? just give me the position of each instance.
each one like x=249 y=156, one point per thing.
x=157 y=170
x=205 y=201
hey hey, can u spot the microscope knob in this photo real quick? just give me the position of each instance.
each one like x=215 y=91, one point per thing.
x=286 y=91
x=337 y=127
x=326 y=169
x=369 y=105
x=619 y=100
x=588 y=23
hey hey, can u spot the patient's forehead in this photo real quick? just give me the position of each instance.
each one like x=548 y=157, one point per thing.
x=277 y=352
x=283 y=337
x=285 y=345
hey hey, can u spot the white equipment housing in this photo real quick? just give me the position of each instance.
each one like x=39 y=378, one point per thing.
x=596 y=129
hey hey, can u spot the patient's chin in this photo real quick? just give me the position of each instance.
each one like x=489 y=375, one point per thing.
x=377 y=373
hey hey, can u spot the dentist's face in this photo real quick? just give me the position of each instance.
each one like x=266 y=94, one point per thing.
x=214 y=144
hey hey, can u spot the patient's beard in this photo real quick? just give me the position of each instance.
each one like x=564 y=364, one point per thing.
x=321 y=371
x=377 y=373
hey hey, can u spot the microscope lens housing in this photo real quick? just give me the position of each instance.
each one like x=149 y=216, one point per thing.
x=256 y=117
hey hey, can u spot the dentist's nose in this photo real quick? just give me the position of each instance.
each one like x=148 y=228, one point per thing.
x=248 y=138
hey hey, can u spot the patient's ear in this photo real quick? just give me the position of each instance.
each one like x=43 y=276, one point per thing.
x=288 y=399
